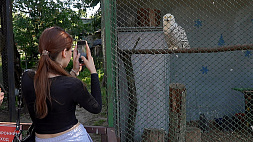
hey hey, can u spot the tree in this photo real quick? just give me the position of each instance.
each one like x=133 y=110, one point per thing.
x=31 y=17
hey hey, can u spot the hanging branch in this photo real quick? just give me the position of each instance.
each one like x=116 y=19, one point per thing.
x=126 y=58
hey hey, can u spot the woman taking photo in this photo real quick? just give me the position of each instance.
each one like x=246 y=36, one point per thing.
x=51 y=94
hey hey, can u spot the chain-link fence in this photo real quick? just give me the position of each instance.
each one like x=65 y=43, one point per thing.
x=179 y=70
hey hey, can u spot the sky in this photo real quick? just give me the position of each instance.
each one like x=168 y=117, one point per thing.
x=91 y=11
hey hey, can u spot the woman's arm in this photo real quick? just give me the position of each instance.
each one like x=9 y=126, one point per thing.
x=91 y=102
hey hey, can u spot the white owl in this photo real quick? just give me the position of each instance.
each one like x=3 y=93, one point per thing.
x=174 y=34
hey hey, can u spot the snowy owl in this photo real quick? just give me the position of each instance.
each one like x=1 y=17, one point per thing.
x=174 y=34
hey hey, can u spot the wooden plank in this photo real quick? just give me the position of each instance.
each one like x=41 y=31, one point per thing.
x=104 y=138
x=111 y=135
x=96 y=129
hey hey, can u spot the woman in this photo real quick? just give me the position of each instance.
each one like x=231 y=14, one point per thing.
x=51 y=93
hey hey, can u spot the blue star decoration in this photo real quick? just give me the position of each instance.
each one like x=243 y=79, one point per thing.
x=221 y=41
x=198 y=23
x=204 y=70
x=247 y=53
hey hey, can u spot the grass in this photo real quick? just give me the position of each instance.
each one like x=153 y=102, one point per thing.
x=99 y=122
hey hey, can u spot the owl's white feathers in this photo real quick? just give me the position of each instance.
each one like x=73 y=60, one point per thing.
x=175 y=35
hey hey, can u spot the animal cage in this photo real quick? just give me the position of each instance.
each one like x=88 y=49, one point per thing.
x=179 y=70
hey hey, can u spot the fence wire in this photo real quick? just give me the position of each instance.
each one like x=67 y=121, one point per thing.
x=181 y=70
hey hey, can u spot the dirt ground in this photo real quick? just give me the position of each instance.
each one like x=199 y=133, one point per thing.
x=84 y=117
x=220 y=134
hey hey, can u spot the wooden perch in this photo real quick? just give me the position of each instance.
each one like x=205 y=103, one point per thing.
x=192 y=50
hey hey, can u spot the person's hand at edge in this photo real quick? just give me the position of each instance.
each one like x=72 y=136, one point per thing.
x=1 y=96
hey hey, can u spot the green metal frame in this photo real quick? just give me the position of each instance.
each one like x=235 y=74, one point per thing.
x=108 y=25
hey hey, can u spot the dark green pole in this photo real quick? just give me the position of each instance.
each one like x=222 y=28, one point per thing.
x=108 y=57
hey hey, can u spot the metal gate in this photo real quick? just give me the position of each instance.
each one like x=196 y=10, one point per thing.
x=8 y=58
x=179 y=70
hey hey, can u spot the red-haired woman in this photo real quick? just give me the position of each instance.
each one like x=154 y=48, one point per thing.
x=51 y=93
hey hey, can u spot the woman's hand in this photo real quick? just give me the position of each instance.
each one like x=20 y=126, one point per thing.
x=89 y=63
x=1 y=96
x=76 y=64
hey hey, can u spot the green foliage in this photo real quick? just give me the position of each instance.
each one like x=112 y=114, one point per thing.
x=104 y=97
x=31 y=17
x=99 y=122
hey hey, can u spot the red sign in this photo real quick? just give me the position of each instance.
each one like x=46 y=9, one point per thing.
x=7 y=132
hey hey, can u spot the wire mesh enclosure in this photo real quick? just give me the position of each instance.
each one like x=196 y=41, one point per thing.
x=179 y=70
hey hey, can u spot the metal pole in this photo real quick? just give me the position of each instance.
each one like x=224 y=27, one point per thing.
x=10 y=58
x=108 y=57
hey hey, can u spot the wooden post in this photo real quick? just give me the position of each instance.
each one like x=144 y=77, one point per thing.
x=177 y=112
x=193 y=134
x=153 y=135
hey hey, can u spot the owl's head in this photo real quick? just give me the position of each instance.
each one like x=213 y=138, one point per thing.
x=168 y=17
